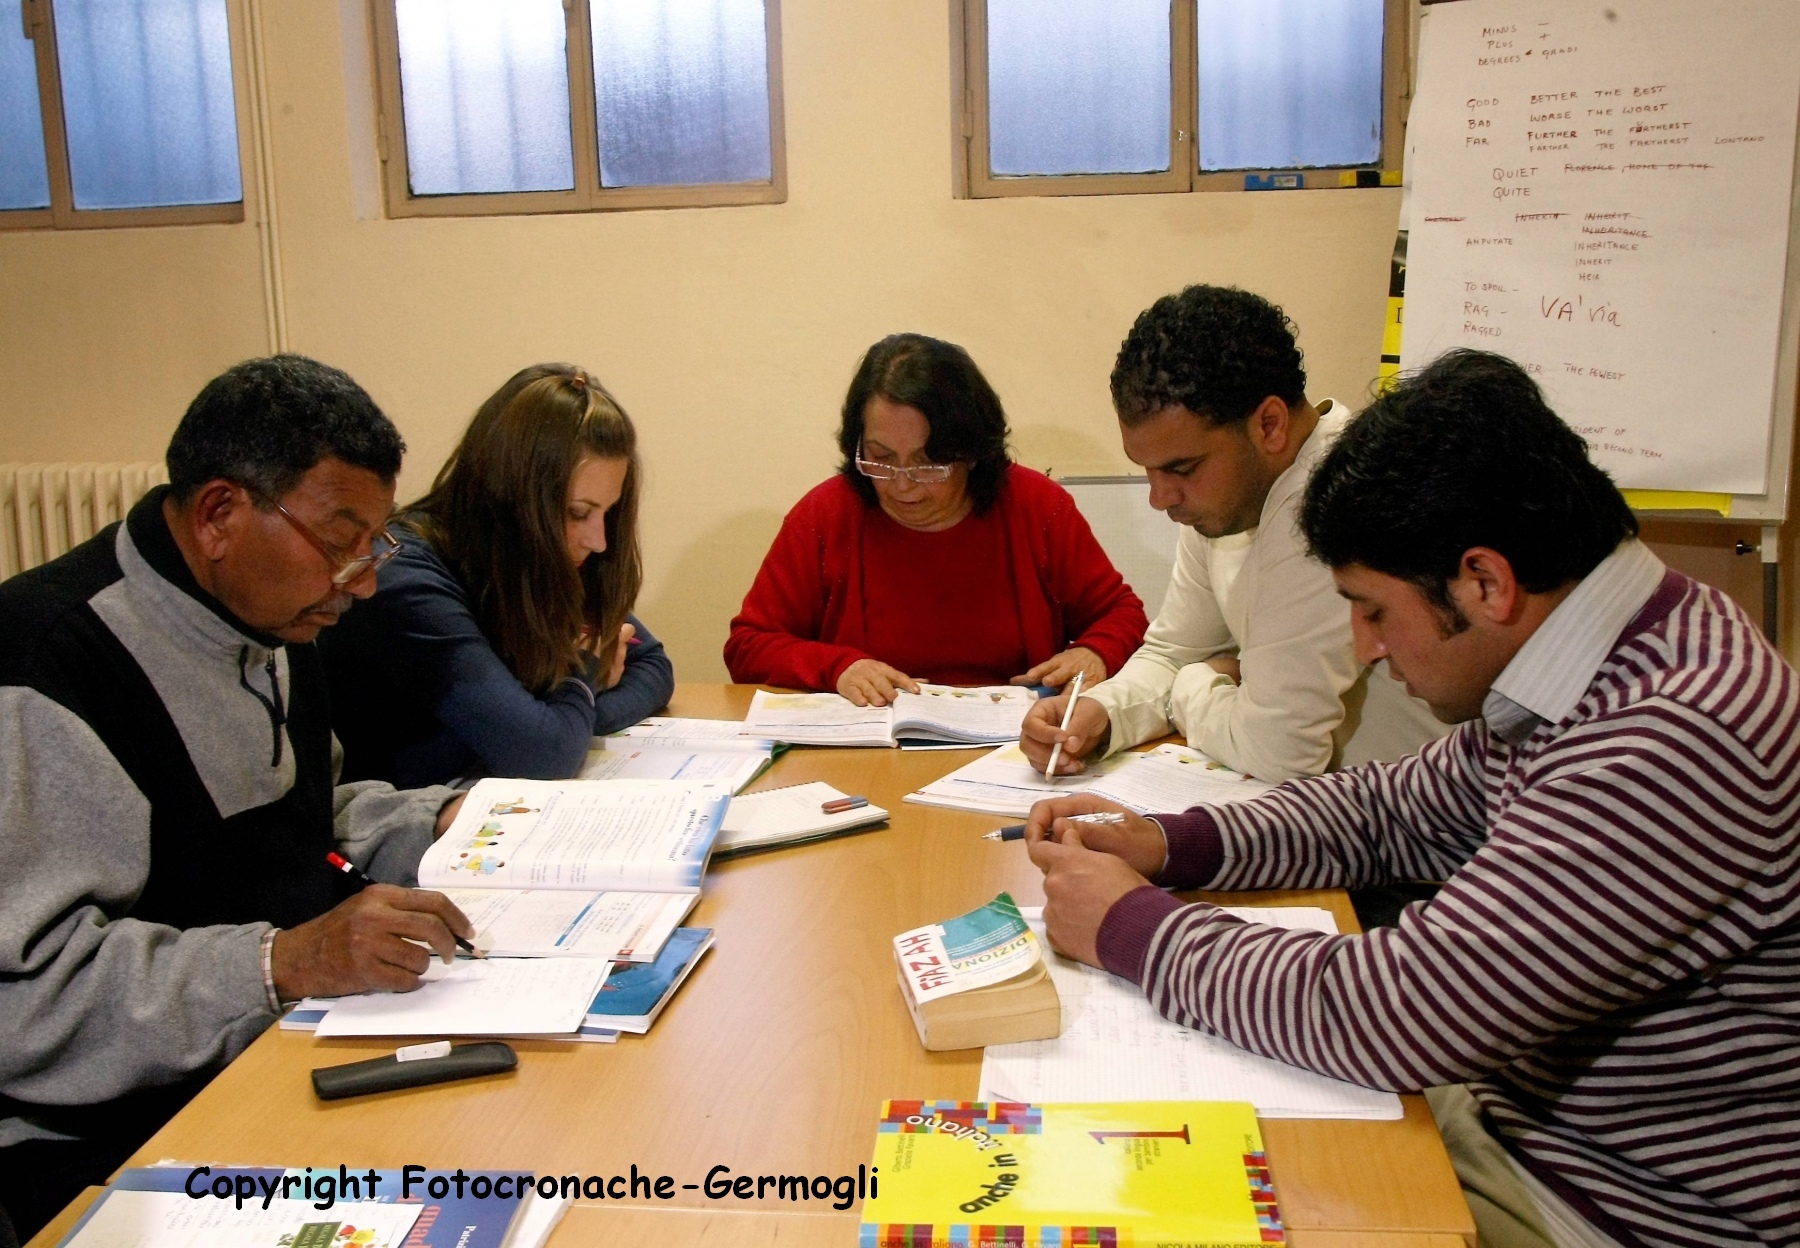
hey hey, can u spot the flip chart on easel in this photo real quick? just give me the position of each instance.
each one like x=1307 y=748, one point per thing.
x=1603 y=191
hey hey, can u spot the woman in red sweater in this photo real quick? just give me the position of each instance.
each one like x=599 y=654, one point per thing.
x=931 y=555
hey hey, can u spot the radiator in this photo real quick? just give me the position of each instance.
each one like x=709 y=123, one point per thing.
x=47 y=508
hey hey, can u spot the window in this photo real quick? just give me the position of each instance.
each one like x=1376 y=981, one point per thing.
x=117 y=112
x=506 y=106
x=1080 y=97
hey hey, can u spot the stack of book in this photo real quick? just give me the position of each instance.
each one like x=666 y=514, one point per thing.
x=576 y=890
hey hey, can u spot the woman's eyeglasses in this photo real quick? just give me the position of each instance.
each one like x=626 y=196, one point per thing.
x=921 y=474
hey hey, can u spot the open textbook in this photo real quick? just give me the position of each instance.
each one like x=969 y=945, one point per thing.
x=558 y=923
x=1115 y=1047
x=631 y=835
x=567 y=998
x=1168 y=778
x=938 y=713
x=621 y=760
x=668 y=732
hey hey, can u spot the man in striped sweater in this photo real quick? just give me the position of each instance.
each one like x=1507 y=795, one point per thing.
x=1604 y=999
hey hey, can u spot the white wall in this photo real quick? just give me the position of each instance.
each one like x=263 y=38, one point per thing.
x=729 y=334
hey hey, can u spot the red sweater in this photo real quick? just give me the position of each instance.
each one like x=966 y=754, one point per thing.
x=975 y=604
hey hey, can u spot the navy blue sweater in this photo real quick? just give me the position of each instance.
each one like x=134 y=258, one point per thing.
x=418 y=695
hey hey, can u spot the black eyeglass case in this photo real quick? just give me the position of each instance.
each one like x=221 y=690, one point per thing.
x=386 y=1074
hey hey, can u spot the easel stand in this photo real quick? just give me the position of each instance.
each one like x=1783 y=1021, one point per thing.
x=1771 y=561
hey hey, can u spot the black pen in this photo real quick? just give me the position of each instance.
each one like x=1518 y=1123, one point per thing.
x=356 y=873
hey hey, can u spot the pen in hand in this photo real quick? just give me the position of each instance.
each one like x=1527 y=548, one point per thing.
x=1016 y=832
x=363 y=881
x=1068 y=711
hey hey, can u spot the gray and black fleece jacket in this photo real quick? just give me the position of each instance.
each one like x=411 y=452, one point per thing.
x=167 y=794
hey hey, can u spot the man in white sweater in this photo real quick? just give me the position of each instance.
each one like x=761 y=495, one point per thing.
x=1250 y=657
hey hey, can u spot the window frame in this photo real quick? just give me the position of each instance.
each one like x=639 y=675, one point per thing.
x=39 y=18
x=588 y=195
x=975 y=180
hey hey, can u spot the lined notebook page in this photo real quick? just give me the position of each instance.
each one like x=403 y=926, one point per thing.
x=1115 y=1047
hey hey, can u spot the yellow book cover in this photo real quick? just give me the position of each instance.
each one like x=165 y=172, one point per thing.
x=1174 y=1174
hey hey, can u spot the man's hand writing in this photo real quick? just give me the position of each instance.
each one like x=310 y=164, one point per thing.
x=365 y=944
x=1088 y=731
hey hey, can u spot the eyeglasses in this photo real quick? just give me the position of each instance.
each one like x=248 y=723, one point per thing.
x=921 y=474
x=344 y=571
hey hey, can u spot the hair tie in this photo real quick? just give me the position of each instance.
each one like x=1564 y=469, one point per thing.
x=579 y=381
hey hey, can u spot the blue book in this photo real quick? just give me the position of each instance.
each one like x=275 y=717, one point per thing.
x=635 y=992
x=448 y=1221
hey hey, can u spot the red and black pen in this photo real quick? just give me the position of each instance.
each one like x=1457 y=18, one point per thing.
x=363 y=881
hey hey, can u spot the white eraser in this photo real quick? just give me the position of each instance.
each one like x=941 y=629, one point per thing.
x=422 y=1052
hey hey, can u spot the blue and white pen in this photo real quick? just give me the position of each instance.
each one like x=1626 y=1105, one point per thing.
x=1016 y=832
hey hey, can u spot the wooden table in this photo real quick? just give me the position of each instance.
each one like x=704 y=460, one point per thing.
x=738 y=1228
x=775 y=1057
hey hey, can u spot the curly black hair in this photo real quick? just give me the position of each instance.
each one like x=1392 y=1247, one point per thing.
x=1216 y=350
x=940 y=380
x=265 y=423
x=1463 y=453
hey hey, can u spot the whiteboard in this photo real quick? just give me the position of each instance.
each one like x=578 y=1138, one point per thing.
x=1603 y=190
x=1138 y=539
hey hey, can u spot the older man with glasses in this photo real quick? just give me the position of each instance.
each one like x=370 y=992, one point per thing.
x=167 y=780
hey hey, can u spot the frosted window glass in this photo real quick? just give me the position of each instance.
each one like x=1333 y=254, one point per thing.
x=148 y=102
x=485 y=85
x=1078 y=86
x=1289 y=84
x=681 y=91
x=24 y=179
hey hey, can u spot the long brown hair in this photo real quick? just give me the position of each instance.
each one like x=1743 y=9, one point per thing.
x=496 y=514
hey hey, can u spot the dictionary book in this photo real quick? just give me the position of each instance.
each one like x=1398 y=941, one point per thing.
x=977 y=979
x=960 y=1174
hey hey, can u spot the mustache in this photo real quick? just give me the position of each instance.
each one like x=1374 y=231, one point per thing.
x=333 y=606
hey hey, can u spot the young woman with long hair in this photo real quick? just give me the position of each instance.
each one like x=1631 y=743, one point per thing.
x=500 y=640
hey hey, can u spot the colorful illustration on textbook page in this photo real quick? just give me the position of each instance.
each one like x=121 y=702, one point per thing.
x=483 y=852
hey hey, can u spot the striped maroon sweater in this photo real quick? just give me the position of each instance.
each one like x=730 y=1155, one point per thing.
x=1613 y=965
